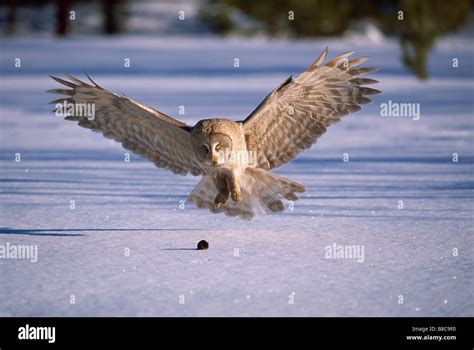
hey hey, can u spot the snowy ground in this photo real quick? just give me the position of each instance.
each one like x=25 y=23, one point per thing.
x=273 y=265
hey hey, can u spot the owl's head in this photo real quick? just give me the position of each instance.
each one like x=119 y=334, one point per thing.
x=211 y=142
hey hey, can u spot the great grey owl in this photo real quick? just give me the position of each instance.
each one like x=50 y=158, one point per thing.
x=233 y=157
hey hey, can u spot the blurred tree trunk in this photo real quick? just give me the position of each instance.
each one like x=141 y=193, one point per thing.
x=62 y=20
x=11 y=17
x=111 y=19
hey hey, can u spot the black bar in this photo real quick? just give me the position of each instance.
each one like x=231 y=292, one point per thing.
x=350 y=332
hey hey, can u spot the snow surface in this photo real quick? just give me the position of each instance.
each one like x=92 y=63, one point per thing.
x=273 y=265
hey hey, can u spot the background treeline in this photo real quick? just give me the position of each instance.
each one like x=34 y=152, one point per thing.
x=416 y=23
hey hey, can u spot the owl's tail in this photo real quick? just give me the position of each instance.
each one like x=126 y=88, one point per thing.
x=262 y=193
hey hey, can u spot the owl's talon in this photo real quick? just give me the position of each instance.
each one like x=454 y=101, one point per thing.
x=236 y=196
x=218 y=205
x=220 y=200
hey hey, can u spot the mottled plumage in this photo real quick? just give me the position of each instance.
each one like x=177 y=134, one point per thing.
x=234 y=158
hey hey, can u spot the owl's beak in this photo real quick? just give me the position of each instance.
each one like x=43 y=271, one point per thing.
x=214 y=159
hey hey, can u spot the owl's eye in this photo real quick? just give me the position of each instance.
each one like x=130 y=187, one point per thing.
x=204 y=147
x=218 y=147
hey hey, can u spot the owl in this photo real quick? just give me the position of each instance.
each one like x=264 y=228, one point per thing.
x=234 y=158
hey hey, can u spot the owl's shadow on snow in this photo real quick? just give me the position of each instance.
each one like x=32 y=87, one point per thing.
x=77 y=232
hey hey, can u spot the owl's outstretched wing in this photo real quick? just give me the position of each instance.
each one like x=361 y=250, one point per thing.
x=143 y=130
x=294 y=115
